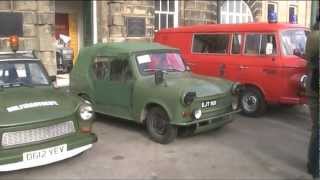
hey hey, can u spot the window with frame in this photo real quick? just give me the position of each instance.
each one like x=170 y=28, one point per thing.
x=272 y=7
x=235 y=11
x=101 y=68
x=292 y=12
x=257 y=44
x=105 y=68
x=210 y=43
x=166 y=14
x=236 y=43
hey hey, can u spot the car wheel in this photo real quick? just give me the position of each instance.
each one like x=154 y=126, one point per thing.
x=158 y=126
x=252 y=102
x=187 y=131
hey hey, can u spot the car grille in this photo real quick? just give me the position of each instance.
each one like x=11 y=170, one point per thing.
x=38 y=134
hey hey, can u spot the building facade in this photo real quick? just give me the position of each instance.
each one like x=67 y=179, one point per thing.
x=90 y=22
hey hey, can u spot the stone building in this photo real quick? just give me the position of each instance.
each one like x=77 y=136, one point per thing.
x=89 y=22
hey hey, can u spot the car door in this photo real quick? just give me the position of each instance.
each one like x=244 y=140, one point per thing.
x=113 y=86
x=260 y=64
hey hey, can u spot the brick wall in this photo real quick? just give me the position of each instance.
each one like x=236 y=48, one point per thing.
x=38 y=21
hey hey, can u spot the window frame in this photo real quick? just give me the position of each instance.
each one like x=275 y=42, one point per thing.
x=261 y=33
x=295 y=7
x=175 y=14
x=276 y=8
x=234 y=14
x=222 y=54
x=241 y=43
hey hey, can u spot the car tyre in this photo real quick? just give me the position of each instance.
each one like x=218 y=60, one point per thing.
x=252 y=102
x=159 y=127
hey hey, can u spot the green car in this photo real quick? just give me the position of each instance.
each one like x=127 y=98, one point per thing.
x=39 y=124
x=149 y=83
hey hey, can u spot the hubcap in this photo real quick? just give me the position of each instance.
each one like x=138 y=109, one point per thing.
x=250 y=103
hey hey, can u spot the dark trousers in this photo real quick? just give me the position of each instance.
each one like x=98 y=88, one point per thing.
x=313 y=153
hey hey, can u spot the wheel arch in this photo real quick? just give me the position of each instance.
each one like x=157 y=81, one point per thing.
x=147 y=108
x=261 y=90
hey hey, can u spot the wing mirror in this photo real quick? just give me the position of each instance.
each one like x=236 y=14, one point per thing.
x=298 y=53
x=158 y=77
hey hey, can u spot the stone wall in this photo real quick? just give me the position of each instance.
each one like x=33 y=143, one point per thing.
x=113 y=28
x=38 y=28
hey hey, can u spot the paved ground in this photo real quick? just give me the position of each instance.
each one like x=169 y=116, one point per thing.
x=271 y=147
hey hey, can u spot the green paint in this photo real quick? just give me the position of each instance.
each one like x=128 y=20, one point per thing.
x=130 y=99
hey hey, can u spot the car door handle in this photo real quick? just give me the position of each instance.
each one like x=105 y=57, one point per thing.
x=243 y=67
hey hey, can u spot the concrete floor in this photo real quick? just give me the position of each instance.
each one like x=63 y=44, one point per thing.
x=271 y=147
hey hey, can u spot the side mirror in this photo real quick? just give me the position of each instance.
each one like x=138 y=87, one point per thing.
x=297 y=52
x=269 y=49
x=158 y=77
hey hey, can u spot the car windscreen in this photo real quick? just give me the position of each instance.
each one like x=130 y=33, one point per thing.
x=22 y=74
x=294 y=40
x=168 y=61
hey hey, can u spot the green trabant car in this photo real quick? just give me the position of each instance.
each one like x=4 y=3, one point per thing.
x=39 y=124
x=150 y=84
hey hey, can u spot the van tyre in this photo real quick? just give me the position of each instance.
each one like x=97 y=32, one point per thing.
x=252 y=102
x=159 y=127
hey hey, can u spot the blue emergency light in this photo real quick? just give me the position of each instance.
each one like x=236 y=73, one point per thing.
x=293 y=19
x=272 y=17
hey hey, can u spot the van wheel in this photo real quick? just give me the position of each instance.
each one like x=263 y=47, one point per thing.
x=158 y=126
x=252 y=102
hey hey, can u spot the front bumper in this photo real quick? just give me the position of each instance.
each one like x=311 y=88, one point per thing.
x=12 y=159
x=210 y=120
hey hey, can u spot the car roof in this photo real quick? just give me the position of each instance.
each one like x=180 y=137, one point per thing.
x=9 y=56
x=244 y=27
x=127 y=47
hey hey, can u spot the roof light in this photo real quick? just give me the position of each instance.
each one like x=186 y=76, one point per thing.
x=14 y=43
x=293 y=19
x=272 y=17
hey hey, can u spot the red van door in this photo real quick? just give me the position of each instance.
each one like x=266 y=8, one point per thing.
x=260 y=67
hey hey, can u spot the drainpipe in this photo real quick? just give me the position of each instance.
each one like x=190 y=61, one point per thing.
x=218 y=11
x=94 y=22
x=314 y=12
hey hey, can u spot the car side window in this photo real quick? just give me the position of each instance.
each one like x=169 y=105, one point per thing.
x=120 y=71
x=236 y=43
x=101 y=68
x=210 y=43
x=257 y=44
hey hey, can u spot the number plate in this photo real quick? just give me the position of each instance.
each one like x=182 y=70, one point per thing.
x=208 y=104
x=45 y=153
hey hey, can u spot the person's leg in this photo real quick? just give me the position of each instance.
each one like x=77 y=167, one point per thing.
x=313 y=153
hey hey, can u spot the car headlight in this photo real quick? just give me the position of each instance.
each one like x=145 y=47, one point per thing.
x=188 y=98
x=235 y=89
x=197 y=113
x=303 y=81
x=86 y=112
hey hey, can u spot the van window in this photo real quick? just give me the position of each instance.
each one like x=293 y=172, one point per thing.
x=119 y=71
x=236 y=44
x=256 y=44
x=210 y=43
x=101 y=68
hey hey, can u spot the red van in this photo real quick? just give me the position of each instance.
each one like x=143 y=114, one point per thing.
x=261 y=56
